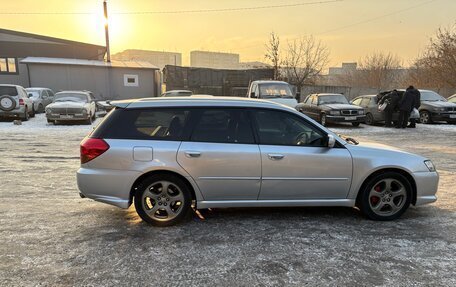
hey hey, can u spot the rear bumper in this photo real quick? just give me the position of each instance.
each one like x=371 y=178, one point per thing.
x=426 y=187
x=16 y=113
x=347 y=119
x=108 y=186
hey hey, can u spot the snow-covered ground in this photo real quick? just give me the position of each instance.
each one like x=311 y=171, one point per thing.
x=51 y=237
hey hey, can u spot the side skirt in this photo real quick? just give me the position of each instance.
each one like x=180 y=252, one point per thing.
x=274 y=203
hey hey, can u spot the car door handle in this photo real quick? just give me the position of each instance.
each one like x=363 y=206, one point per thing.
x=190 y=153
x=275 y=156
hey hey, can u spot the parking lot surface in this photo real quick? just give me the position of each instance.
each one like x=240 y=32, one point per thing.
x=49 y=236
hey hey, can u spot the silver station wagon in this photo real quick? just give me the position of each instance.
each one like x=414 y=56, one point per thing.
x=168 y=155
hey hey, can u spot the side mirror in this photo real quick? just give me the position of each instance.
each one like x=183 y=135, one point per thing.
x=331 y=141
x=252 y=95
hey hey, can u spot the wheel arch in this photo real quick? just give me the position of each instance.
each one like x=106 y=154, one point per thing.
x=160 y=172
x=402 y=172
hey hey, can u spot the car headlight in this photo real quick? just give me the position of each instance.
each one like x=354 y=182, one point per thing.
x=84 y=111
x=48 y=111
x=439 y=109
x=334 y=113
x=361 y=112
x=429 y=165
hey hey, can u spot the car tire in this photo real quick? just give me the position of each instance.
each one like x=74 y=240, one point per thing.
x=386 y=196
x=425 y=117
x=9 y=98
x=40 y=108
x=161 y=207
x=26 y=115
x=369 y=119
x=355 y=124
x=323 y=119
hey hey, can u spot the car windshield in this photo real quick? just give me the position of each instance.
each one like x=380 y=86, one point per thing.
x=269 y=91
x=33 y=94
x=70 y=97
x=332 y=99
x=432 y=97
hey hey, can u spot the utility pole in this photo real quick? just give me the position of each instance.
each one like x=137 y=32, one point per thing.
x=108 y=50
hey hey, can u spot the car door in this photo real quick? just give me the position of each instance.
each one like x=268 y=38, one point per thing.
x=45 y=98
x=296 y=162
x=221 y=155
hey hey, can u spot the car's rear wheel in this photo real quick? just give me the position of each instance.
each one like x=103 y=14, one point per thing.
x=386 y=196
x=25 y=117
x=369 y=119
x=163 y=200
x=425 y=117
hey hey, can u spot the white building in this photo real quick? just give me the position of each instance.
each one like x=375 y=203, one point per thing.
x=156 y=58
x=215 y=60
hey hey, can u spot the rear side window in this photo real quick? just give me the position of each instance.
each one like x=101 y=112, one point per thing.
x=365 y=102
x=223 y=126
x=150 y=124
x=10 y=91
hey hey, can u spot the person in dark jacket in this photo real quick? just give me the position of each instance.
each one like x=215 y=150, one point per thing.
x=392 y=99
x=417 y=104
x=406 y=105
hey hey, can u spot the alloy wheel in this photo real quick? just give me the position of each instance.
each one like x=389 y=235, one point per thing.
x=387 y=197
x=163 y=201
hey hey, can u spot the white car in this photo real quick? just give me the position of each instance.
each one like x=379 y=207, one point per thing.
x=274 y=91
x=41 y=97
x=71 y=106
x=14 y=103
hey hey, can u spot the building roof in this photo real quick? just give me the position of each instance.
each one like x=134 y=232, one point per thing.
x=21 y=45
x=94 y=63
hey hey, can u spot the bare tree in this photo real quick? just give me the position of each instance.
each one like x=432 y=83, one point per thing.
x=305 y=59
x=380 y=71
x=439 y=60
x=273 y=53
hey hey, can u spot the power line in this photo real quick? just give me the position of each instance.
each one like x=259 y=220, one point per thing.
x=180 y=11
x=354 y=24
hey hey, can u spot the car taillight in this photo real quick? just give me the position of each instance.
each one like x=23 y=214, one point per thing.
x=92 y=148
x=21 y=102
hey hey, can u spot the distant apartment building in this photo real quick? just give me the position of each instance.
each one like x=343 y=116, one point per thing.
x=215 y=60
x=156 y=58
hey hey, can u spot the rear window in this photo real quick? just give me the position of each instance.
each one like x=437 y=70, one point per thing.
x=10 y=91
x=150 y=124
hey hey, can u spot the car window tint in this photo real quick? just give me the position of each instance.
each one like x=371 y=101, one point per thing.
x=6 y=90
x=282 y=128
x=223 y=126
x=150 y=124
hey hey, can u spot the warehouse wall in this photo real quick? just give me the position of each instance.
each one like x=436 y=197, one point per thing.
x=105 y=83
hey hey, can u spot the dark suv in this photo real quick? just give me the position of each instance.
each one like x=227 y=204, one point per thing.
x=333 y=108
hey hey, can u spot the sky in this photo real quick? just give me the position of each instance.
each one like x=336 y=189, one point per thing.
x=349 y=28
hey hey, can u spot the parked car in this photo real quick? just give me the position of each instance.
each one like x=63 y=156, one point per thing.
x=434 y=107
x=331 y=108
x=14 y=103
x=370 y=105
x=177 y=93
x=452 y=99
x=274 y=91
x=41 y=97
x=71 y=106
x=168 y=154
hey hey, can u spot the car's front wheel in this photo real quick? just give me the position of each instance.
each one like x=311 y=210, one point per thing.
x=425 y=117
x=163 y=200
x=323 y=120
x=385 y=197
x=369 y=119
x=355 y=124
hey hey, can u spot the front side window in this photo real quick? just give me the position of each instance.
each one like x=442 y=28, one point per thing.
x=282 y=128
x=144 y=124
x=223 y=126
x=314 y=100
x=357 y=102
x=365 y=102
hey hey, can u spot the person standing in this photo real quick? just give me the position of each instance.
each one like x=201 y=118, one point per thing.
x=416 y=105
x=406 y=105
x=392 y=99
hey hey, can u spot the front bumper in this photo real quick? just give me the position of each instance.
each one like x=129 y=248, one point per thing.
x=426 y=187
x=443 y=116
x=107 y=185
x=67 y=117
x=347 y=119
